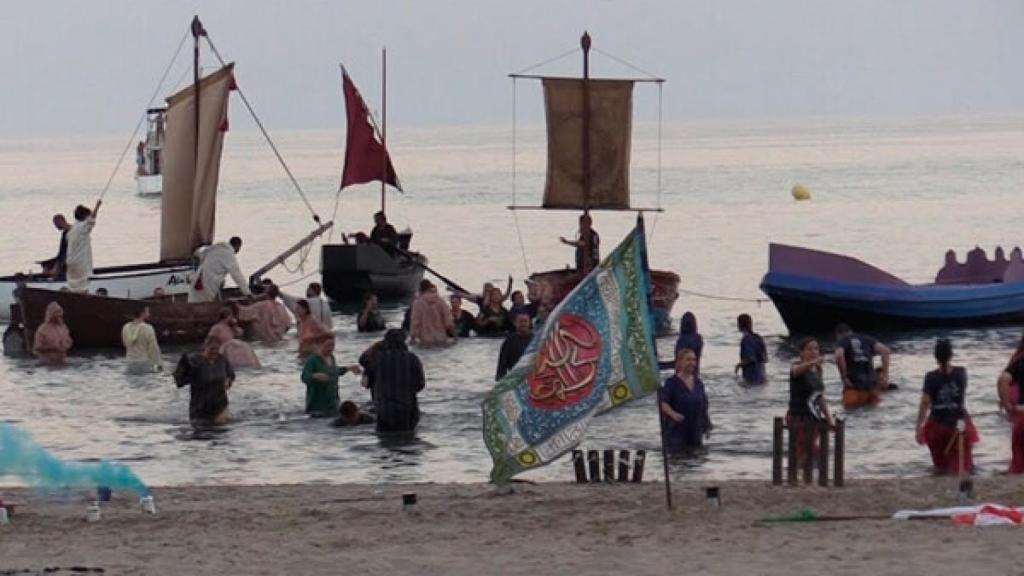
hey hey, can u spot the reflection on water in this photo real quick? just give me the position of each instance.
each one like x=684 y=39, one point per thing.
x=894 y=194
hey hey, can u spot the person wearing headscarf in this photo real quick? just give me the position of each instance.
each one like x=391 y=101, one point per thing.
x=52 y=339
x=396 y=376
x=689 y=338
x=139 y=339
x=431 y=319
x=209 y=376
x=320 y=374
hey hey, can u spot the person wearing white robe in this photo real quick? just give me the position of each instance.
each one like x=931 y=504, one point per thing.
x=143 y=351
x=79 y=255
x=318 y=307
x=217 y=262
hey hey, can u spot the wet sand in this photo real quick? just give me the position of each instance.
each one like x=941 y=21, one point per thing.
x=538 y=529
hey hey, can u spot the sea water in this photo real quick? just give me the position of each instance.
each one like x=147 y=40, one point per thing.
x=896 y=193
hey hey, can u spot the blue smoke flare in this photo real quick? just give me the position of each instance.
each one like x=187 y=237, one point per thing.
x=23 y=457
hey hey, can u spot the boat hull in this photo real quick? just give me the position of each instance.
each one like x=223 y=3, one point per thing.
x=814 y=306
x=554 y=285
x=350 y=271
x=134 y=281
x=150 y=185
x=96 y=321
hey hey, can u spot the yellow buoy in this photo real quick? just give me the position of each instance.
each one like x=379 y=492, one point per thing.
x=801 y=192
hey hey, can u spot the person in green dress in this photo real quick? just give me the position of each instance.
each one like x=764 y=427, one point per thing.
x=320 y=375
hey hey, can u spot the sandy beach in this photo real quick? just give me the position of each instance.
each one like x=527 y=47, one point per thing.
x=539 y=529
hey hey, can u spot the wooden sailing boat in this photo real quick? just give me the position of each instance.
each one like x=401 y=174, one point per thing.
x=351 y=270
x=149 y=170
x=589 y=125
x=196 y=122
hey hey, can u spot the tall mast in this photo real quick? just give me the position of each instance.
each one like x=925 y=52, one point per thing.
x=197 y=31
x=383 y=125
x=585 y=44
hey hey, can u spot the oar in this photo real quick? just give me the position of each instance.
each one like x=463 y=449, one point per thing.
x=412 y=258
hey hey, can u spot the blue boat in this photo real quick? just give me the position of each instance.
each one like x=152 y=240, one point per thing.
x=815 y=290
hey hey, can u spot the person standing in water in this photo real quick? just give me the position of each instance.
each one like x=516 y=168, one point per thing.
x=753 y=353
x=689 y=337
x=52 y=339
x=943 y=405
x=320 y=374
x=209 y=376
x=684 y=406
x=807 y=404
x=139 y=338
x=855 y=355
x=515 y=345
x=396 y=376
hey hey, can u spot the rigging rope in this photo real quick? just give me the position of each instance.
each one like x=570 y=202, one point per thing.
x=316 y=217
x=627 y=64
x=546 y=62
x=145 y=113
x=515 y=216
x=757 y=301
x=654 y=224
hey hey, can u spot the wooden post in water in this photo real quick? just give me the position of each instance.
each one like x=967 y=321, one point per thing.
x=594 y=461
x=791 y=456
x=810 y=432
x=609 y=465
x=623 y=465
x=638 y=465
x=579 y=466
x=777 y=451
x=822 y=430
x=838 y=476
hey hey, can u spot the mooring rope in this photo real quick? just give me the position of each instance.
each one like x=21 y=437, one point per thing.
x=757 y=301
x=145 y=113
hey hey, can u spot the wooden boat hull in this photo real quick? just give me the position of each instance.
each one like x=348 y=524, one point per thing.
x=814 y=291
x=555 y=285
x=350 y=271
x=96 y=321
x=132 y=281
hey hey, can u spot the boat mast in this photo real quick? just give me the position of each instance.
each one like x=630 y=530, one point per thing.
x=197 y=31
x=383 y=125
x=585 y=44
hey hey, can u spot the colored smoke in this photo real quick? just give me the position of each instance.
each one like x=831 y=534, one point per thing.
x=24 y=458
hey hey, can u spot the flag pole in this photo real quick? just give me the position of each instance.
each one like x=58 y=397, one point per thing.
x=654 y=346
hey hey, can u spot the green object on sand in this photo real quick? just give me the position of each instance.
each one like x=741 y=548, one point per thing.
x=805 y=515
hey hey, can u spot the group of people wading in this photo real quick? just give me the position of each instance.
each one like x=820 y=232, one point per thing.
x=943 y=423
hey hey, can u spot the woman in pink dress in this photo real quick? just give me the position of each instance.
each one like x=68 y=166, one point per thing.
x=311 y=331
x=52 y=339
x=268 y=318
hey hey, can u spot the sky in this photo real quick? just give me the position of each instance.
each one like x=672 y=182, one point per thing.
x=82 y=67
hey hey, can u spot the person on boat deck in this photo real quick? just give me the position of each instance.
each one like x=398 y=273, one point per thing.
x=684 y=406
x=320 y=374
x=943 y=405
x=140 y=158
x=370 y=319
x=310 y=330
x=689 y=337
x=462 y=320
x=493 y=319
x=515 y=345
x=209 y=376
x=54 y=267
x=319 y=307
x=382 y=233
x=52 y=339
x=753 y=353
x=396 y=377
x=268 y=318
x=430 y=321
x=216 y=262
x=521 y=306
x=79 y=256
x=588 y=245
x=350 y=415
x=139 y=339
x=807 y=405
x=1010 y=400
x=855 y=355
x=227 y=331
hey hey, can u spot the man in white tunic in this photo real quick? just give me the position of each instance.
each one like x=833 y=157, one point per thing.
x=79 y=256
x=318 y=307
x=216 y=263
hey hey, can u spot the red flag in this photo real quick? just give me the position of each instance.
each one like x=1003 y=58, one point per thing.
x=366 y=159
